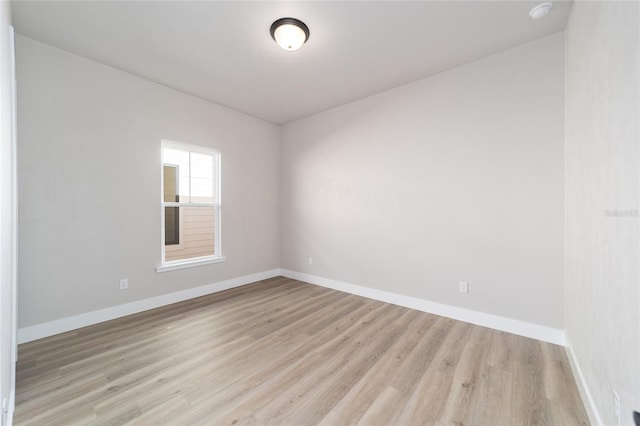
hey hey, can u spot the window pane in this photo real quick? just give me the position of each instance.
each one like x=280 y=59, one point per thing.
x=196 y=234
x=170 y=183
x=201 y=178
x=171 y=225
x=179 y=159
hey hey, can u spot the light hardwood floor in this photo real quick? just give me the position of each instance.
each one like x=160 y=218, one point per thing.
x=284 y=352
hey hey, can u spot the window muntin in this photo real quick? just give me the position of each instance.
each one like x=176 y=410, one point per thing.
x=190 y=204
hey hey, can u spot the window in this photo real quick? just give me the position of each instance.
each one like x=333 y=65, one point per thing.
x=190 y=206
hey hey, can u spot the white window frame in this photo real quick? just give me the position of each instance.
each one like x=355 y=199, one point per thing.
x=216 y=205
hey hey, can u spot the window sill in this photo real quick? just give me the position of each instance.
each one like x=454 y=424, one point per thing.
x=189 y=264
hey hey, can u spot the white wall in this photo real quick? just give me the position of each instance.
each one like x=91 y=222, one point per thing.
x=457 y=177
x=602 y=175
x=7 y=255
x=89 y=184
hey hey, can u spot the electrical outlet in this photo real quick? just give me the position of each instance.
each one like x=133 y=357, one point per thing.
x=463 y=287
x=124 y=283
x=616 y=407
x=310 y=260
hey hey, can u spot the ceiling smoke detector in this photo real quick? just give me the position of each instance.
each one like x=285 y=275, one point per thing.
x=540 y=10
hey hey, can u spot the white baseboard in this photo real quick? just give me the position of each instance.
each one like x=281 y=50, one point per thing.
x=50 y=328
x=585 y=394
x=12 y=406
x=522 y=328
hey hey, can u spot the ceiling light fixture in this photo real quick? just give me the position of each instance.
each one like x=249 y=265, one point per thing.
x=290 y=33
x=540 y=10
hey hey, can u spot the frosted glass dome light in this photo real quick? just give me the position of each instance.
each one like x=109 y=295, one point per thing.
x=290 y=33
x=540 y=10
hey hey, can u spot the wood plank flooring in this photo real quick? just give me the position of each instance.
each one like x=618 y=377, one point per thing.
x=284 y=352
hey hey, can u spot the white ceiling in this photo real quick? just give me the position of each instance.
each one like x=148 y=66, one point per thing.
x=223 y=52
